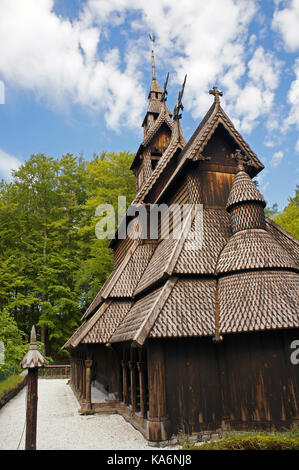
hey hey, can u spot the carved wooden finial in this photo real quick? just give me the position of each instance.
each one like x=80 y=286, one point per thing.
x=240 y=158
x=216 y=94
x=179 y=105
x=33 y=358
x=153 y=39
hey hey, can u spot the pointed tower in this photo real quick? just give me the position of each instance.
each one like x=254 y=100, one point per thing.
x=157 y=125
x=251 y=247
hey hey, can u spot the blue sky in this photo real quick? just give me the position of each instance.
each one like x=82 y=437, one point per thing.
x=76 y=75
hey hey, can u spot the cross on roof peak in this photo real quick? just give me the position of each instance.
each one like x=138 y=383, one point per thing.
x=216 y=93
x=241 y=159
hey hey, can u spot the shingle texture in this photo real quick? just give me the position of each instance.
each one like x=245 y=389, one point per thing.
x=188 y=311
x=137 y=315
x=243 y=189
x=258 y=301
x=238 y=274
x=130 y=276
x=216 y=232
x=253 y=249
x=101 y=331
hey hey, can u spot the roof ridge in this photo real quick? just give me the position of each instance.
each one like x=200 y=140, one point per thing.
x=80 y=333
x=163 y=117
x=174 y=255
x=149 y=321
x=177 y=135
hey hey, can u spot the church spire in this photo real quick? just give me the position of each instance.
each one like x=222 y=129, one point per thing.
x=152 y=38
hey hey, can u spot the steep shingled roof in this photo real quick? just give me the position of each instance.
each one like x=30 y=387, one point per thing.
x=244 y=276
x=243 y=189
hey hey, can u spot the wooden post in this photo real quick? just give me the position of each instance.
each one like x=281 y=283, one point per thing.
x=31 y=412
x=158 y=426
x=32 y=361
x=88 y=364
x=141 y=371
x=132 y=367
x=125 y=383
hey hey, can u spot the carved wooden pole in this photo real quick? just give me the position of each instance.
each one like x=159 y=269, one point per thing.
x=88 y=364
x=32 y=361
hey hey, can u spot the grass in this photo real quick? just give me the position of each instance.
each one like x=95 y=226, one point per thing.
x=288 y=440
x=10 y=383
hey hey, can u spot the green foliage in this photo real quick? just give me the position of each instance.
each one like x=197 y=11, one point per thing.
x=9 y=384
x=51 y=263
x=13 y=339
x=250 y=441
x=288 y=219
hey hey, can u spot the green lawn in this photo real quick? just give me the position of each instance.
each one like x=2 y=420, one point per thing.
x=288 y=440
x=10 y=383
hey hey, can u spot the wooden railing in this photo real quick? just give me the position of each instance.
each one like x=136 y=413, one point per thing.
x=55 y=371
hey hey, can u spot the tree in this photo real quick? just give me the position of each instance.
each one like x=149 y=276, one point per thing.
x=288 y=219
x=13 y=340
x=51 y=263
x=108 y=176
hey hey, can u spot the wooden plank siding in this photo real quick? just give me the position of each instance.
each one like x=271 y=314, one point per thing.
x=241 y=383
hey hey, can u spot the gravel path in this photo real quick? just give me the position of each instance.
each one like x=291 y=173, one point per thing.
x=60 y=427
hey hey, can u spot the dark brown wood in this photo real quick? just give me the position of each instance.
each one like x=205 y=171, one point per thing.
x=31 y=412
x=142 y=388
x=88 y=365
x=158 y=426
x=240 y=383
x=125 y=382
x=132 y=367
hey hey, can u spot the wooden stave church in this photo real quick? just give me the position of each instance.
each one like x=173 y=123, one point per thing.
x=195 y=341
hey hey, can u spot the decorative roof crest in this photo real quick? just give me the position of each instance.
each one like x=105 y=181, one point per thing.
x=179 y=105
x=165 y=92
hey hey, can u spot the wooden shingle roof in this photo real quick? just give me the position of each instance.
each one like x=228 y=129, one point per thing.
x=243 y=277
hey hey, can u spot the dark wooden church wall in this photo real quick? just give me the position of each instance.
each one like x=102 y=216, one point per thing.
x=247 y=380
x=106 y=368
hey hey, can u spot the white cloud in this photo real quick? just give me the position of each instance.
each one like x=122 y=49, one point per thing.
x=276 y=159
x=64 y=61
x=297 y=146
x=293 y=100
x=257 y=97
x=8 y=163
x=286 y=21
x=57 y=59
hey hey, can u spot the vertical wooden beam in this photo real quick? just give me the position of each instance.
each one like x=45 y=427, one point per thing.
x=159 y=424
x=132 y=367
x=125 y=383
x=31 y=413
x=88 y=364
x=141 y=372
